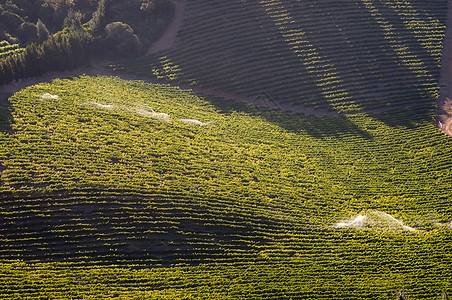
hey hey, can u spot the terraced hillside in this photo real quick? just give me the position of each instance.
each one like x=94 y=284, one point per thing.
x=6 y=49
x=110 y=189
x=338 y=55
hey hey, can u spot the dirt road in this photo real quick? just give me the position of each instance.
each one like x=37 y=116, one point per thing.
x=168 y=38
x=444 y=103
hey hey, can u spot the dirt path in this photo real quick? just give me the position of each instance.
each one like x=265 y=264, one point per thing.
x=100 y=68
x=168 y=38
x=444 y=103
x=8 y=89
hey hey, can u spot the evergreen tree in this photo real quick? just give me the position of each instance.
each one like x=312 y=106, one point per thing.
x=31 y=60
x=2 y=74
x=49 y=54
x=43 y=32
x=73 y=19
x=8 y=70
x=10 y=21
x=28 y=32
x=97 y=22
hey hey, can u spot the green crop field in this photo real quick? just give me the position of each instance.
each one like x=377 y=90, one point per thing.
x=125 y=189
x=107 y=191
x=6 y=49
x=338 y=55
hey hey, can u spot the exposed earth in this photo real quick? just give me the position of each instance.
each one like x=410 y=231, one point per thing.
x=444 y=103
x=168 y=38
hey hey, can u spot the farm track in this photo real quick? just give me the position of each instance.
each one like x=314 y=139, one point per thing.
x=168 y=38
x=444 y=103
x=100 y=69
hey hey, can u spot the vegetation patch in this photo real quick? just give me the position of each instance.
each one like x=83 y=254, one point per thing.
x=101 y=202
x=41 y=36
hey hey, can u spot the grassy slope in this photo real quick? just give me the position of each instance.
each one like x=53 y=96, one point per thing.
x=105 y=203
x=340 y=55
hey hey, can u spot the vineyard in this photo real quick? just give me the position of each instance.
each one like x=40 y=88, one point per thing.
x=342 y=56
x=6 y=49
x=103 y=198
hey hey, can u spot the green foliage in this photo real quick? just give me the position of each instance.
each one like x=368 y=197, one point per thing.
x=122 y=39
x=75 y=41
x=101 y=201
x=73 y=19
x=28 y=32
x=148 y=19
x=42 y=31
x=61 y=51
x=11 y=21
x=98 y=21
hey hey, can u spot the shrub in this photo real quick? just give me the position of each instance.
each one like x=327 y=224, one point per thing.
x=11 y=21
x=28 y=32
x=121 y=37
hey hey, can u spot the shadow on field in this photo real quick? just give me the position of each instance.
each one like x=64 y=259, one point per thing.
x=320 y=126
x=315 y=126
x=315 y=56
x=409 y=117
x=426 y=9
x=106 y=228
x=369 y=66
x=229 y=63
x=6 y=118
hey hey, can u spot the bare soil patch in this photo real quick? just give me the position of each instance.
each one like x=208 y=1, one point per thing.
x=444 y=121
x=260 y=101
x=444 y=103
x=168 y=38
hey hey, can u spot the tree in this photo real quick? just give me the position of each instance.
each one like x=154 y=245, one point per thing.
x=98 y=19
x=14 y=9
x=120 y=36
x=23 y=8
x=11 y=21
x=73 y=19
x=28 y=32
x=42 y=31
x=159 y=8
x=445 y=296
x=31 y=60
x=46 y=13
x=2 y=73
x=8 y=72
x=80 y=43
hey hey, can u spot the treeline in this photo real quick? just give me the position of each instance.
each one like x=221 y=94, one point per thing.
x=30 y=21
x=82 y=28
x=62 y=51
